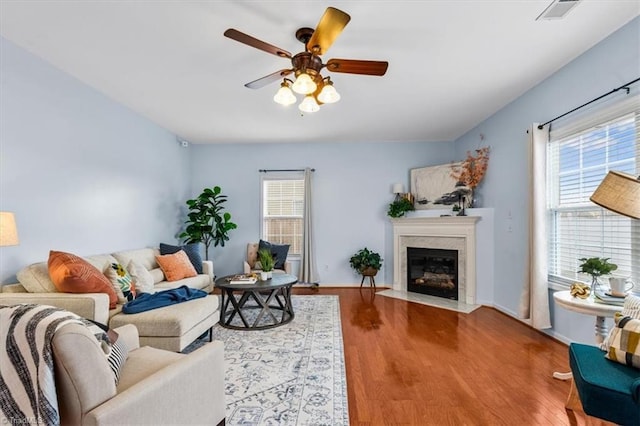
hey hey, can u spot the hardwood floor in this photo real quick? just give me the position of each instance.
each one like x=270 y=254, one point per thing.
x=412 y=364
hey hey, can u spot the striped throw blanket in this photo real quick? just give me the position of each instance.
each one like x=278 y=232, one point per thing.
x=27 y=386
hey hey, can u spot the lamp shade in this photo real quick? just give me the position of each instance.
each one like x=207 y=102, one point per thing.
x=284 y=96
x=304 y=85
x=8 y=230
x=328 y=94
x=309 y=104
x=398 y=188
x=620 y=193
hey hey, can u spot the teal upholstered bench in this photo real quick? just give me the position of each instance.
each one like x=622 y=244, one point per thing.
x=608 y=390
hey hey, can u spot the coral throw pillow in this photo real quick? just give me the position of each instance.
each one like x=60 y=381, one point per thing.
x=72 y=274
x=176 y=266
x=192 y=250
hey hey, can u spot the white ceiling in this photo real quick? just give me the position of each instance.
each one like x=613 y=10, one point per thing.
x=452 y=63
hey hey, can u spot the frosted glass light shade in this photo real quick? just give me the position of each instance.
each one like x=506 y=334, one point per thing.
x=328 y=94
x=398 y=188
x=309 y=104
x=304 y=84
x=620 y=193
x=8 y=229
x=284 y=96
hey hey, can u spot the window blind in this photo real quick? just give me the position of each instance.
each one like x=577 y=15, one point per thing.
x=579 y=156
x=282 y=215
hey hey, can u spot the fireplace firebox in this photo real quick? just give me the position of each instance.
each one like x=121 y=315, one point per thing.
x=433 y=272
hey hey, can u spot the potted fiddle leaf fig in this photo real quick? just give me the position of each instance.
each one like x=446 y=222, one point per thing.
x=366 y=262
x=207 y=222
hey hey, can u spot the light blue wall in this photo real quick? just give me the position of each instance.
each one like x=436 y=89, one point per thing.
x=85 y=174
x=81 y=172
x=611 y=63
x=352 y=189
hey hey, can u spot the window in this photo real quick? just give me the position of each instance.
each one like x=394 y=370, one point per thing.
x=578 y=158
x=282 y=212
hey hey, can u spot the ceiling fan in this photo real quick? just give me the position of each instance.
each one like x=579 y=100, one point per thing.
x=307 y=65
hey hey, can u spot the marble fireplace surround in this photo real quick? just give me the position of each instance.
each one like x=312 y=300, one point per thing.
x=449 y=233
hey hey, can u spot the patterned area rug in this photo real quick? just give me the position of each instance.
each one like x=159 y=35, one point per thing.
x=289 y=375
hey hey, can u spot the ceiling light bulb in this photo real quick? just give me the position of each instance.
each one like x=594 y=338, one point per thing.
x=309 y=104
x=284 y=96
x=304 y=84
x=329 y=94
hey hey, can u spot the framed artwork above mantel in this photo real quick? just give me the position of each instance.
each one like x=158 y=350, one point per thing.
x=433 y=187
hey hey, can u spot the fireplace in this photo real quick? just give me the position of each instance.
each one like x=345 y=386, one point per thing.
x=433 y=272
x=443 y=234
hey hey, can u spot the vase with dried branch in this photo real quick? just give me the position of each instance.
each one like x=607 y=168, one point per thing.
x=471 y=171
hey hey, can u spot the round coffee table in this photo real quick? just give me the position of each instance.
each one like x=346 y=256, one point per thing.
x=272 y=297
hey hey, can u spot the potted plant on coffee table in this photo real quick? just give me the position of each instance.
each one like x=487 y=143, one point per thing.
x=267 y=262
x=367 y=263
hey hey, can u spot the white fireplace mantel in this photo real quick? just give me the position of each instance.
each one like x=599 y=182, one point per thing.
x=458 y=232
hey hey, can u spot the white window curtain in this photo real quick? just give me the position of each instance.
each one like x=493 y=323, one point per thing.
x=308 y=271
x=534 y=303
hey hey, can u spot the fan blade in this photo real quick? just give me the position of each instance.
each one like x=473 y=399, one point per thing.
x=352 y=66
x=254 y=42
x=268 y=79
x=329 y=28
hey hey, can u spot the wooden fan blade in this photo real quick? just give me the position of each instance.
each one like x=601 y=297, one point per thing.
x=268 y=79
x=329 y=28
x=353 y=66
x=254 y=42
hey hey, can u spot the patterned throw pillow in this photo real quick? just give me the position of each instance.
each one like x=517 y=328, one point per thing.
x=624 y=341
x=142 y=278
x=631 y=308
x=176 y=266
x=192 y=250
x=122 y=282
x=279 y=252
x=72 y=274
x=114 y=348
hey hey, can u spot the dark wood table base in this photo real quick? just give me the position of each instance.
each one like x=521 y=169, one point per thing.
x=272 y=297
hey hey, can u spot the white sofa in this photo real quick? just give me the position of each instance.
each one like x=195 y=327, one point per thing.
x=171 y=327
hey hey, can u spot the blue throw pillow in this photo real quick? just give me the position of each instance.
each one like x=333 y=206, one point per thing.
x=192 y=250
x=279 y=252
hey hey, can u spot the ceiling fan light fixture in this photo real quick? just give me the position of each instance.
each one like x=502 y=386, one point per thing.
x=284 y=95
x=304 y=84
x=309 y=104
x=328 y=94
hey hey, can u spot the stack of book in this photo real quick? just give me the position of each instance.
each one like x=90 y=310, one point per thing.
x=608 y=298
x=242 y=279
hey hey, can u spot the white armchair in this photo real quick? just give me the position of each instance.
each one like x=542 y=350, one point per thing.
x=156 y=387
x=252 y=258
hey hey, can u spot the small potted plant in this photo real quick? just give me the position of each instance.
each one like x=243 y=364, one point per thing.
x=596 y=267
x=366 y=262
x=399 y=207
x=267 y=262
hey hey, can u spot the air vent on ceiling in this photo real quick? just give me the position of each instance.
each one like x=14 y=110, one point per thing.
x=558 y=9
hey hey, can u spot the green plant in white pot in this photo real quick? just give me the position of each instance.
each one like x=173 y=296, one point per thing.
x=267 y=262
